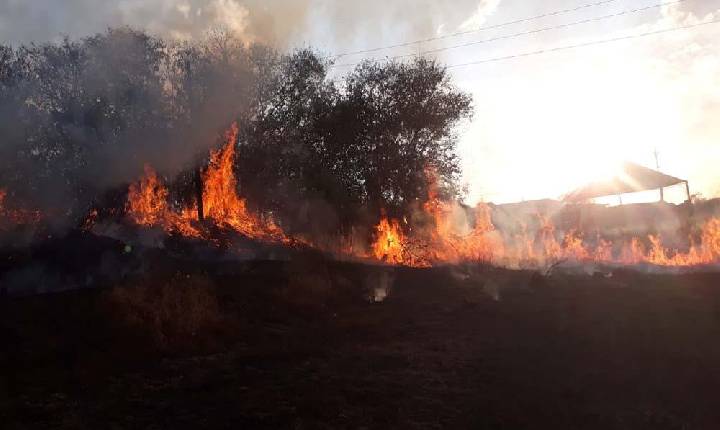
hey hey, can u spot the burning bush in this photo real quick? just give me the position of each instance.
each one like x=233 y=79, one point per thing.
x=82 y=117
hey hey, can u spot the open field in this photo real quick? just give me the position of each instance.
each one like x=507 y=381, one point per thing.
x=225 y=214
x=303 y=344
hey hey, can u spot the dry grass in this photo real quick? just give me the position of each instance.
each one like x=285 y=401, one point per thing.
x=315 y=285
x=309 y=283
x=177 y=313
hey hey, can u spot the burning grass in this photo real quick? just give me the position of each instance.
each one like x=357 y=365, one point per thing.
x=447 y=235
x=450 y=242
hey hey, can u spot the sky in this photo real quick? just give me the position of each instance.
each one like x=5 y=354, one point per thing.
x=543 y=124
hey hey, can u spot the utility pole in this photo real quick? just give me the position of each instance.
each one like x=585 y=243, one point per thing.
x=657 y=166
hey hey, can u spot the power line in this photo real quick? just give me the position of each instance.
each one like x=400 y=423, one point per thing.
x=582 y=45
x=524 y=33
x=462 y=33
x=540 y=30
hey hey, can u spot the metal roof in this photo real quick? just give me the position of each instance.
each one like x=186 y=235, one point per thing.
x=632 y=178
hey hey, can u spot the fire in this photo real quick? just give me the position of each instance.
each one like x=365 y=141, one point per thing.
x=90 y=220
x=546 y=249
x=147 y=199
x=221 y=201
x=707 y=252
x=15 y=217
x=147 y=203
x=389 y=245
x=451 y=240
x=633 y=251
x=711 y=240
x=442 y=232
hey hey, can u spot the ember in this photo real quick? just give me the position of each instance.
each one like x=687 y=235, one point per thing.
x=14 y=217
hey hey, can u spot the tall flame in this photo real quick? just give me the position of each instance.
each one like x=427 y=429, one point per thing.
x=147 y=201
x=450 y=239
x=389 y=244
x=221 y=201
x=454 y=234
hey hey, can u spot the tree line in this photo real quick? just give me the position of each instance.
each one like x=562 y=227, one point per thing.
x=79 y=118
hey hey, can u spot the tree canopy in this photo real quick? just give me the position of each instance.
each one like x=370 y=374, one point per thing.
x=363 y=142
x=79 y=118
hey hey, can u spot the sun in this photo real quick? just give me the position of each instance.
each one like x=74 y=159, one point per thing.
x=544 y=136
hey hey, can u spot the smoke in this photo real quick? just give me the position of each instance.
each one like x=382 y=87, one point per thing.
x=332 y=25
x=282 y=23
x=44 y=20
x=80 y=118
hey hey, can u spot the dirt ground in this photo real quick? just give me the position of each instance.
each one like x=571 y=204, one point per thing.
x=305 y=345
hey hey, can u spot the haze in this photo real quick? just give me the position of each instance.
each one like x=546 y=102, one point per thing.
x=543 y=124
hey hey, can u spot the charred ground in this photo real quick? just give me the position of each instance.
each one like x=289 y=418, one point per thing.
x=301 y=343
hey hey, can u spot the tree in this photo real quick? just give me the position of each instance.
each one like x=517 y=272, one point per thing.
x=361 y=145
x=405 y=116
x=81 y=118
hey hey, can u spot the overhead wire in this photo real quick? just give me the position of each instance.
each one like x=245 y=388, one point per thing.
x=519 y=34
x=466 y=32
x=583 y=45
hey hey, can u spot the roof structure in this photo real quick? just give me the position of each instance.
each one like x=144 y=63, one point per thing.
x=632 y=178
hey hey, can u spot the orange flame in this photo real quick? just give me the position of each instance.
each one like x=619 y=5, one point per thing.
x=147 y=201
x=221 y=201
x=451 y=239
x=455 y=233
x=448 y=242
x=389 y=245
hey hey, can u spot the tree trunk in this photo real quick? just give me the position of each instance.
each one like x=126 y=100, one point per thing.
x=199 y=194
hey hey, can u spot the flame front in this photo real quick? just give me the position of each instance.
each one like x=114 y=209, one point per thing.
x=147 y=201
x=450 y=241
x=454 y=235
x=221 y=201
x=389 y=243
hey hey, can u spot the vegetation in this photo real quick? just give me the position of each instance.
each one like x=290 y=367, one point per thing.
x=81 y=118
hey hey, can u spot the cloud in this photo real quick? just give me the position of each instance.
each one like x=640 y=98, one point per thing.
x=684 y=66
x=44 y=20
x=284 y=23
x=484 y=9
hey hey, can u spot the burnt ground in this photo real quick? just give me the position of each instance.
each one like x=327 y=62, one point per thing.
x=299 y=345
